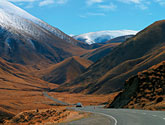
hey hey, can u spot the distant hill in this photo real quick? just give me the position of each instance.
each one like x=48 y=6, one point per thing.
x=65 y=71
x=100 y=52
x=146 y=90
x=136 y=54
x=120 y=39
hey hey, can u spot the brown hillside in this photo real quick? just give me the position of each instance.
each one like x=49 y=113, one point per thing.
x=146 y=90
x=19 y=90
x=65 y=71
x=46 y=49
x=13 y=76
x=100 y=52
x=120 y=39
x=138 y=53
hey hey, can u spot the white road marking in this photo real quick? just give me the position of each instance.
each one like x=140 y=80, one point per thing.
x=110 y=117
x=144 y=113
x=154 y=115
x=105 y=115
x=164 y=118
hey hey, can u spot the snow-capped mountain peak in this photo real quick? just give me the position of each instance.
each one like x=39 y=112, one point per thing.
x=14 y=10
x=103 y=36
x=12 y=16
x=26 y=39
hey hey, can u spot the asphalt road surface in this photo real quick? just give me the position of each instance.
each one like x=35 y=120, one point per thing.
x=102 y=116
x=125 y=116
x=56 y=100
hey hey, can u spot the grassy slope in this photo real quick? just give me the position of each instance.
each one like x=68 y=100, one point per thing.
x=146 y=90
x=64 y=71
x=130 y=57
x=100 y=52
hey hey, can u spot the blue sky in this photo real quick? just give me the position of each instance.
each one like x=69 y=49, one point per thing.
x=82 y=16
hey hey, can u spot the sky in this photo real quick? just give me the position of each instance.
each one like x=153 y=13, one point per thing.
x=83 y=16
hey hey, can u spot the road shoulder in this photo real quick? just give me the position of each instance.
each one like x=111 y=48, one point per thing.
x=92 y=119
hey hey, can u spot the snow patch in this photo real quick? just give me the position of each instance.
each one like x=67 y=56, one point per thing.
x=102 y=36
x=16 y=18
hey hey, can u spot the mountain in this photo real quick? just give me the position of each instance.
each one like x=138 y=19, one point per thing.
x=107 y=75
x=119 y=39
x=17 y=77
x=102 y=36
x=100 y=52
x=146 y=90
x=26 y=39
x=64 y=71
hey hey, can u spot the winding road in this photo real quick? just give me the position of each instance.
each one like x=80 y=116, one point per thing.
x=56 y=100
x=102 y=116
x=126 y=116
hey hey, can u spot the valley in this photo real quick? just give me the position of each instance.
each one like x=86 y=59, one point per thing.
x=45 y=73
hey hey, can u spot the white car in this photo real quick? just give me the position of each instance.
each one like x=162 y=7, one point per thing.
x=79 y=105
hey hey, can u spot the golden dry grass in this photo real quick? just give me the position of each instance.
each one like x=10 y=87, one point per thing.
x=83 y=98
x=45 y=116
x=146 y=90
x=64 y=71
x=16 y=101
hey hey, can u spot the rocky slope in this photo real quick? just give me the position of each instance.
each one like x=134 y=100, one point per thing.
x=146 y=90
x=134 y=55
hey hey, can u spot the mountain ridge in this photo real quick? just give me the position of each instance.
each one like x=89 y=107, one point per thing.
x=103 y=36
x=64 y=71
x=146 y=48
x=39 y=42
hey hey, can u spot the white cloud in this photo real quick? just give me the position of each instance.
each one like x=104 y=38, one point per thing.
x=30 y=5
x=111 y=6
x=161 y=2
x=46 y=2
x=40 y=2
x=22 y=0
x=130 y=1
x=92 y=14
x=91 y=2
x=62 y=1
x=142 y=4
x=95 y=14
